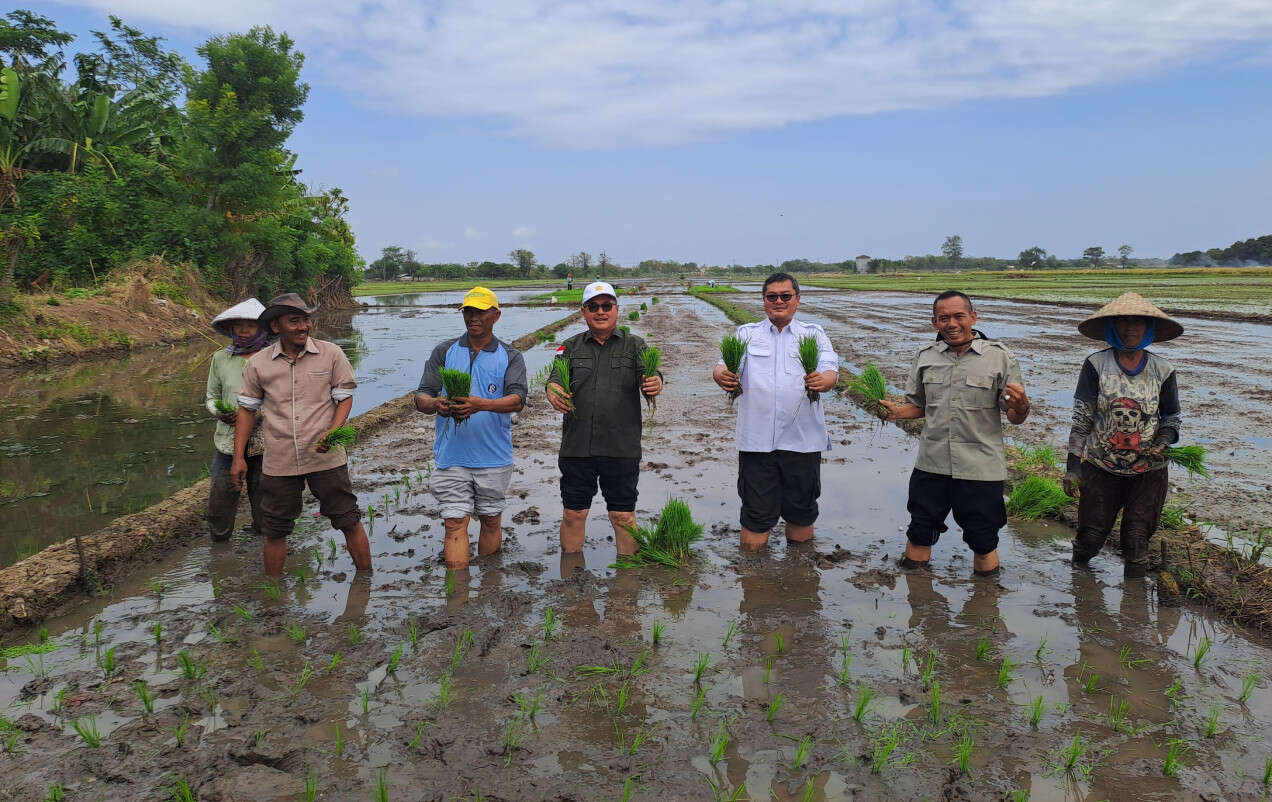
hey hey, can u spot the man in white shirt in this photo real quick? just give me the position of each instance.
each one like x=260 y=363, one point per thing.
x=780 y=432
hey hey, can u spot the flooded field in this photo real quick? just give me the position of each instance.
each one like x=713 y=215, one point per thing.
x=817 y=672
x=82 y=444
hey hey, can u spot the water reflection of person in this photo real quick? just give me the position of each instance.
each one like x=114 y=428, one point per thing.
x=784 y=597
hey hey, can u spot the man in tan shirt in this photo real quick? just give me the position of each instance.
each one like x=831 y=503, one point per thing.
x=304 y=388
x=960 y=384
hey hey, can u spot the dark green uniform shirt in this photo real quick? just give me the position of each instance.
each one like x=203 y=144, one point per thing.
x=605 y=380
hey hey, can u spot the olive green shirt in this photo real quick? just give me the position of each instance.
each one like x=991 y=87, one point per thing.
x=225 y=375
x=962 y=401
x=605 y=380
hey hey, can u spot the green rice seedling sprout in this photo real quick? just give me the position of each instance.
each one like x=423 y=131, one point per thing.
x=656 y=632
x=462 y=645
x=243 y=613
x=224 y=407
x=885 y=744
x=87 y=730
x=156 y=629
x=621 y=699
x=456 y=384
x=1036 y=497
x=802 y=750
x=56 y=793
x=768 y=669
x=98 y=626
x=1199 y=654
x=1071 y=755
x=364 y=698
x=644 y=307
x=302 y=573
x=650 y=360
x=334 y=663
x=638 y=666
x=529 y=707
x=380 y=792
x=668 y=543
x=1248 y=683
x=779 y=642
x=395 y=658
x=397 y=494
x=719 y=743
x=1041 y=650
x=698 y=699
x=1117 y=713
x=907 y=657
x=309 y=792
x=59 y=700
x=107 y=661
x=1267 y=772
x=934 y=703
x=872 y=387
x=255 y=661
x=774 y=706
x=355 y=635
x=272 y=587
x=633 y=315
x=929 y=667
x=1175 y=692
x=1005 y=670
x=1190 y=458
x=146 y=695
x=36 y=666
x=1019 y=796
x=864 y=697
x=732 y=350
x=295 y=632
x=1176 y=748
x=561 y=379
x=190 y=667
x=549 y=624
x=412 y=631
x=342 y=436
x=11 y=742
x=728 y=635
x=443 y=698
x=843 y=670
x=983 y=647
x=218 y=635
x=419 y=735
x=700 y=667
x=1036 y=707
x=181 y=791
x=306 y=674
x=331 y=549
x=963 y=751
x=514 y=734
x=535 y=659
x=638 y=738
x=208 y=694
x=156 y=586
x=339 y=741
x=1212 y=720
x=1126 y=660
x=809 y=355
x=1091 y=684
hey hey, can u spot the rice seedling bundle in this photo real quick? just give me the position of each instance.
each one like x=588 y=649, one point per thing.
x=668 y=543
x=650 y=360
x=1190 y=458
x=224 y=407
x=732 y=349
x=1035 y=497
x=872 y=386
x=633 y=315
x=456 y=384
x=809 y=354
x=343 y=436
x=561 y=375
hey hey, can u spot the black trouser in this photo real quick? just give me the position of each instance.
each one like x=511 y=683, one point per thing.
x=223 y=500
x=778 y=484
x=977 y=505
x=1139 y=498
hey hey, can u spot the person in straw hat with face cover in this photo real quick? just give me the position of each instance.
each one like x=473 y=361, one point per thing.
x=1125 y=414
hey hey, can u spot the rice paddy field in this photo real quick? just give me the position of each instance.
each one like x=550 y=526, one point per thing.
x=817 y=672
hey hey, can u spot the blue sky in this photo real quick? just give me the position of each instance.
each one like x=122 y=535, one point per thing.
x=737 y=131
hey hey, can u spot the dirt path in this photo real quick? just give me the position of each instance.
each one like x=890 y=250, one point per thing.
x=822 y=627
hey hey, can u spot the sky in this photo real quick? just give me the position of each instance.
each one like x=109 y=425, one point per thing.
x=749 y=132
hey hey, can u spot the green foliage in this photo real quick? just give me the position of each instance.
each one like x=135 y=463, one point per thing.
x=342 y=436
x=1190 y=458
x=732 y=349
x=1036 y=497
x=668 y=543
x=809 y=354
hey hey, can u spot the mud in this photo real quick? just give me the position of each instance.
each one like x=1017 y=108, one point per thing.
x=256 y=731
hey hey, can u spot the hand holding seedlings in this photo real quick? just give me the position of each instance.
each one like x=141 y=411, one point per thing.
x=558 y=390
x=457 y=385
x=225 y=412
x=1017 y=402
x=343 y=436
x=729 y=375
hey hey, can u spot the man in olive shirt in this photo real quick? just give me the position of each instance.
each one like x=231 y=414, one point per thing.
x=600 y=439
x=959 y=384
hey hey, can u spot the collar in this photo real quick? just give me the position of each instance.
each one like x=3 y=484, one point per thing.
x=493 y=345
x=617 y=333
x=276 y=350
x=772 y=329
x=977 y=344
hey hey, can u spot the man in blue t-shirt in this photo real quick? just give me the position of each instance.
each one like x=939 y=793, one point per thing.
x=472 y=449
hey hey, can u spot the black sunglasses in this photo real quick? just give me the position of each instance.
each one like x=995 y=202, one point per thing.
x=603 y=306
x=784 y=297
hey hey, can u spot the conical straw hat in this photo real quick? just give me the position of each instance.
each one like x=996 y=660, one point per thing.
x=1130 y=304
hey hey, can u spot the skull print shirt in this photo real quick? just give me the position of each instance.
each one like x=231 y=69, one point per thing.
x=1118 y=415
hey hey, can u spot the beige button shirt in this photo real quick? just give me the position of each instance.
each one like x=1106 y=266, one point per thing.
x=298 y=398
x=962 y=400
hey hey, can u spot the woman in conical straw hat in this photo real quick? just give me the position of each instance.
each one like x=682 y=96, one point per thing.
x=1125 y=414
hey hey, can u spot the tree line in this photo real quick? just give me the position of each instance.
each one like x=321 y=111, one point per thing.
x=142 y=154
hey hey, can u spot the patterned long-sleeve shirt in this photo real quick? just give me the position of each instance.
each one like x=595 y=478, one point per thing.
x=1118 y=415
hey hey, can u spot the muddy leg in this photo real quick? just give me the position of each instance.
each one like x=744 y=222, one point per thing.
x=275 y=549
x=254 y=492
x=1098 y=505
x=1144 y=500
x=753 y=541
x=798 y=534
x=455 y=547
x=223 y=499
x=573 y=530
x=359 y=547
x=622 y=523
x=490 y=538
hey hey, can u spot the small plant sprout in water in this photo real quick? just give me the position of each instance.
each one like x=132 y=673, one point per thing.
x=395 y=658
x=963 y=751
x=412 y=631
x=1117 y=714
x=1176 y=748
x=255 y=661
x=729 y=633
x=181 y=791
x=656 y=632
x=449 y=582
x=1005 y=669
x=462 y=645
x=306 y=674
x=179 y=732
x=156 y=586
x=934 y=703
x=768 y=669
x=295 y=632
x=549 y=624
x=107 y=661
x=339 y=741
x=156 y=629
x=698 y=699
x=98 y=627
x=624 y=695
x=907 y=657
x=803 y=749
x=1041 y=652
x=331 y=549
x=56 y=793
x=1267 y=772
x=780 y=642
x=1175 y=692
x=983 y=648
x=380 y=792
x=364 y=698
x=1199 y=653
x=535 y=659
x=419 y=735
x=309 y=792
x=334 y=664
x=885 y=744
x=864 y=697
x=529 y=707
x=443 y=698
x=843 y=668
x=1212 y=720
x=190 y=667
x=87 y=730
x=218 y=635
x=355 y=635
x=243 y=613
x=1036 y=707
x=272 y=588
x=1071 y=755
x=929 y=667
x=514 y=734
x=1127 y=661
x=719 y=743
x=700 y=667
x=318 y=558
x=773 y=707
x=146 y=695
x=1019 y=796
x=1248 y=683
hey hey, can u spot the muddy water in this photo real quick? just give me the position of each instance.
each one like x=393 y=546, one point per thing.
x=80 y=445
x=1084 y=642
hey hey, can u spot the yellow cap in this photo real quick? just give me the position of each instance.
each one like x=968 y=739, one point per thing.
x=480 y=298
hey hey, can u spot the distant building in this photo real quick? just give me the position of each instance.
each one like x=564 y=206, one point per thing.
x=863 y=263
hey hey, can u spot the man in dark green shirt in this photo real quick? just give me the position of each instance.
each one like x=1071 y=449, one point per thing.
x=600 y=439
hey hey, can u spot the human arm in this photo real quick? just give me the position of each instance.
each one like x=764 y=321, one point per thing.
x=342 y=387
x=911 y=408
x=250 y=400
x=515 y=389
x=827 y=374
x=1168 y=418
x=723 y=377
x=339 y=417
x=1015 y=400
x=427 y=395
x=213 y=394
x=1085 y=398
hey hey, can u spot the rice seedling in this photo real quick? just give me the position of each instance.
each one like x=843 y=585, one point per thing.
x=670 y=541
x=843 y=669
x=1005 y=670
x=625 y=329
x=1041 y=651
x=156 y=630
x=331 y=549
x=809 y=354
x=302 y=573
x=719 y=743
x=208 y=694
x=1175 y=692
x=339 y=741
x=395 y=658
x=549 y=624
x=1190 y=458
x=36 y=666
x=191 y=668
x=1212 y=720
x=56 y=793
x=1070 y=755
x=1091 y=684
x=342 y=436
x=561 y=378
x=243 y=613
x=802 y=750
x=306 y=674
x=1035 y=711
x=272 y=587
x=355 y=635
x=1201 y=650
x=698 y=699
x=983 y=647
x=1176 y=748
x=181 y=791
x=535 y=659
x=768 y=669
x=419 y=735
x=1117 y=713
x=728 y=635
x=934 y=703
x=219 y=636
x=156 y=586
x=633 y=315
x=653 y=300
x=644 y=307
x=255 y=661
x=963 y=751
x=462 y=644
x=514 y=734
x=774 y=706
x=700 y=667
x=380 y=792
x=412 y=631
x=638 y=739
x=1019 y=796
x=146 y=695
x=779 y=642
x=98 y=627
x=309 y=792
x=650 y=360
x=929 y=667
x=59 y=700
x=11 y=742
x=107 y=661
x=1173 y=517
x=87 y=730
x=295 y=632
x=872 y=387
x=1248 y=683
x=864 y=697
x=529 y=707
x=1036 y=497
x=456 y=384
x=258 y=736
x=1127 y=661
x=443 y=698
x=907 y=657
x=623 y=696
x=732 y=350
x=1267 y=771
x=656 y=632
x=885 y=744
x=364 y=699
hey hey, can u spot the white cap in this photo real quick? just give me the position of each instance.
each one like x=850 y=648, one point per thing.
x=598 y=288
x=250 y=309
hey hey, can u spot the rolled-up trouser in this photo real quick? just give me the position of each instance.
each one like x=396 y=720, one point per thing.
x=462 y=491
x=281 y=500
x=978 y=508
x=223 y=499
x=1103 y=495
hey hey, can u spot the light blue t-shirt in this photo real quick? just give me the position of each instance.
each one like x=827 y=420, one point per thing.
x=485 y=439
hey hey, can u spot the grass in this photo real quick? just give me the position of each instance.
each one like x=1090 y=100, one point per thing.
x=668 y=543
x=529 y=707
x=779 y=642
x=728 y=635
x=650 y=360
x=87 y=730
x=1175 y=692
x=535 y=659
x=395 y=658
x=1267 y=772
x=698 y=699
x=871 y=385
x=1212 y=720
x=983 y=648
x=700 y=666
x=107 y=661
x=1201 y=650
x=1128 y=661
x=843 y=675
x=623 y=696
x=1117 y=713
x=802 y=750
x=339 y=741
x=549 y=624
x=885 y=744
x=809 y=354
x=1036 y=497
x=342 y=436
x=1071 y=755
x=929 y=667
x=181 y=791
x=514 y=734
x=768 y=669
x=295 y=632
x=633 y=315
x=309 y=791
x=1176 y=748
x=864 y=697
x=1190 y=458
x=1036 y=707
x=380 y=791
x=443 y=698
x=774 y=706
x=1037 y=456
x=462 y=644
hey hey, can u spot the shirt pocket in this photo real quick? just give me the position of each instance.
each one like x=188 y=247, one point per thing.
x=936 y=384
x=580 y=370
x=318 y=382
x=981 y=391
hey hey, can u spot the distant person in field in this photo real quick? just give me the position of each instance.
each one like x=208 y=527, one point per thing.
x=1125 y=414
x=960 y=384
x=600 y=435
x=225 y=374
x=569 y=281
x=472 y=447
x=303 y=388
x=780 y=433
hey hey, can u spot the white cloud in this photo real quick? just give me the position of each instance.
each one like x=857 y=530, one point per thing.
x=523 y=232
x=472 y=232
x=601 y=72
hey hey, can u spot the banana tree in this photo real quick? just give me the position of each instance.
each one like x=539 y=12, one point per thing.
x=90 y=125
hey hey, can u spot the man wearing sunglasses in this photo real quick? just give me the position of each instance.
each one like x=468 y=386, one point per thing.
x=600 y=437
x=780 y=433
